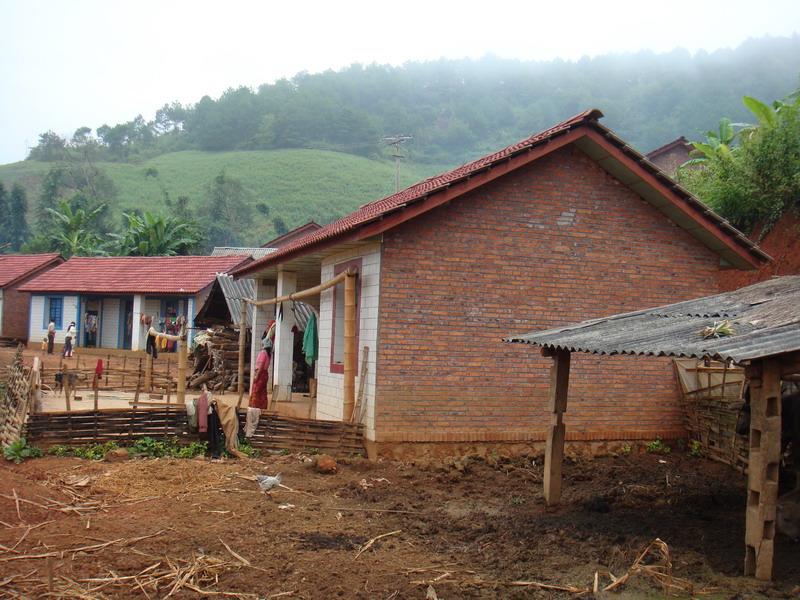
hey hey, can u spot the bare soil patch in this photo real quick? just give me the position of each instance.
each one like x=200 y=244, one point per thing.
x=148 y=528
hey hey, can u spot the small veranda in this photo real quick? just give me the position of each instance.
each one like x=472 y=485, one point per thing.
x=758 y=328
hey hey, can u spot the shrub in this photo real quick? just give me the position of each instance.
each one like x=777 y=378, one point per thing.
x=695 y=448
x=658 y=447
x=20 y=450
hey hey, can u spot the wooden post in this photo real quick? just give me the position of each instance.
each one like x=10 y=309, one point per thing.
x=108 y=366
x=554 y=451
x=124 y=366
x=168 y=387
x=763 y=466
x=349 y=388
x=148 y=373
x=242 y=341
x=183 y=351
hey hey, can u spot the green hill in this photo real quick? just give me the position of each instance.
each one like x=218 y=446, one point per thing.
x=295 y=185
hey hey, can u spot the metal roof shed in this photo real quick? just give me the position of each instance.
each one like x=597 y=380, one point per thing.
x=765 y=319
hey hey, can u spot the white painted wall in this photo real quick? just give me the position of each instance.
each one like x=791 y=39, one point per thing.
x=109 y=321
x=284 y=341
x=37 y=332
x=329 y=385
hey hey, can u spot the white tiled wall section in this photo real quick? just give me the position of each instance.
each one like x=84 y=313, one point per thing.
x=329 y=385
x=38 y=329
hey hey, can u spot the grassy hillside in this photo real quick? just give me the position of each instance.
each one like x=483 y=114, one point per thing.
x=296 y=185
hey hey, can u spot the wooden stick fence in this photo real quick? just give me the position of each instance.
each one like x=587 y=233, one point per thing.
x=124 y=426
x=118 y=378
x=16 y=398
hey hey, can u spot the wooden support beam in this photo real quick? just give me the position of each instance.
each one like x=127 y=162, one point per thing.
x=554 y=451
x=349 y=386
x=183 y=352
x=242 y=340
x=148 y=373
x=310 y=292
x=763 y=466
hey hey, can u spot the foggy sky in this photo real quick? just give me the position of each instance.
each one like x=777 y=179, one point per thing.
x=65 y=64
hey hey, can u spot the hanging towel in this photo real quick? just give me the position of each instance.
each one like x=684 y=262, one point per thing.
x=191 y=415
x=310 y=340
x=251 y=422
x=230 y=426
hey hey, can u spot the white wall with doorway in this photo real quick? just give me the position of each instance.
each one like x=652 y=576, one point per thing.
x=329 y=383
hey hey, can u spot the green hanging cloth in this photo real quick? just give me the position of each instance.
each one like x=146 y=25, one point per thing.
x=310 y=340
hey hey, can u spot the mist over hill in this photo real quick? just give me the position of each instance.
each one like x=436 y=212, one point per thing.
x=458 y=109
x=311 y=147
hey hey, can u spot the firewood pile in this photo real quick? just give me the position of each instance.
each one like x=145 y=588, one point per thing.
x=216 y=360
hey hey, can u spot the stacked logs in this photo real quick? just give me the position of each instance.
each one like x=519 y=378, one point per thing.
x=216 y=360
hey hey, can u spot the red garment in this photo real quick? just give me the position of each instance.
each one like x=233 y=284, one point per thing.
x=258 y=396
x=98 y=370
x=202 y=413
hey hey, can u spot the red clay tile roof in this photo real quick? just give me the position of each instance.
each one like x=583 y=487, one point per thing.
x=16 y=266
x=379 y=209
x=134 y=274
x=680 y=142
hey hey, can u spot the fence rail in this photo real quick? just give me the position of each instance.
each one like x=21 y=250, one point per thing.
x=125 y=425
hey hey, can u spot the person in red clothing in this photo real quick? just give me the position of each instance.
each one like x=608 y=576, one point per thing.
x=258 y=394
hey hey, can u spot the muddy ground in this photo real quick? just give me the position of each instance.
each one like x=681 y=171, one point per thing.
x=148 y=528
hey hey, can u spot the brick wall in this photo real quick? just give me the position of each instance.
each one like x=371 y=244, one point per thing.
x=15 y=312
x=670 y=160
x=16 y=308
x=553 y=243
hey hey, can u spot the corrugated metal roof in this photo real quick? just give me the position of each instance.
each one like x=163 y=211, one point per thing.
x=255 y=253
x=765 y=318
x=236 y=289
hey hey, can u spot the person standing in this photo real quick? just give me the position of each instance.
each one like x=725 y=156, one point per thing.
x=69 y=339
x=51 y=336
x=258 y=395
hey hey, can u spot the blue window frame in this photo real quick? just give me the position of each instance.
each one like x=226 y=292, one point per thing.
x=53 y=311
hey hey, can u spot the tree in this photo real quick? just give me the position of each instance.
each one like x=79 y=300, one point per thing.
x=157 y=235
x=227 y=210
x=76 y=233
x=279 y=226
x=50 y=147
x=17 y=222
x=754 y=184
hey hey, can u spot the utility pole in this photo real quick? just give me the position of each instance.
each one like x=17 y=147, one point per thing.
x=396 y=141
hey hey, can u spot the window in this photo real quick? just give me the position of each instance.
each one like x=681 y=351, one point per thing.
x=54 y=311
x=337 y=337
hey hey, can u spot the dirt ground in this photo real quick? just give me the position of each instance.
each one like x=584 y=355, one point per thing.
x=466 y=528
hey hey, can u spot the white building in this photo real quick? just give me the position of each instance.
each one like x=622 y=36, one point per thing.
x=107 y=296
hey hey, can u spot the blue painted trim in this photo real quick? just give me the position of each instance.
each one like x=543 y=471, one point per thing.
x=46 y=312
x=121 y=321
x=78 y=323
x=99 y=341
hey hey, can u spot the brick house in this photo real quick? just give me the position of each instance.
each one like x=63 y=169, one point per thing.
x=671 y=156
x=563 y=226
x=106 y=296
x=16 y=270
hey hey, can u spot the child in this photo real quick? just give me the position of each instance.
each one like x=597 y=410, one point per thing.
x=44 y=344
